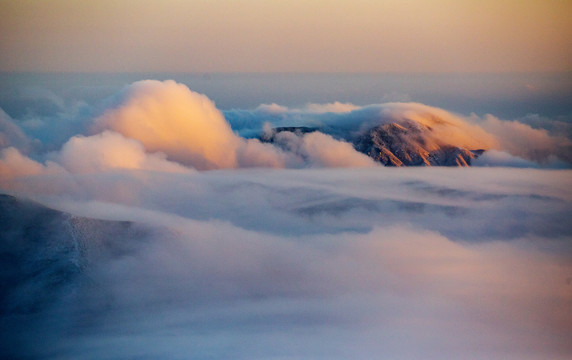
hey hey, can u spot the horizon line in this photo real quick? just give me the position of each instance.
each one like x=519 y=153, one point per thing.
x=73 y=72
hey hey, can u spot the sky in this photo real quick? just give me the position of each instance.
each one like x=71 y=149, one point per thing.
x=285 y=36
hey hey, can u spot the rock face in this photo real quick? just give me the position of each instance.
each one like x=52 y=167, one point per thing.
x=408 y=144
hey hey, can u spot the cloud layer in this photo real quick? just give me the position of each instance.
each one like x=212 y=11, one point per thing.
x=164 y=125
x=411 y=263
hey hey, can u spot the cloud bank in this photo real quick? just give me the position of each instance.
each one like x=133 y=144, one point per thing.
x=110 y=150
x=166 y=126
x=420 y=263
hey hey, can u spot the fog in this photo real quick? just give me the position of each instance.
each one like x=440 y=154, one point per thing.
x=397 y=263
x=160 y=227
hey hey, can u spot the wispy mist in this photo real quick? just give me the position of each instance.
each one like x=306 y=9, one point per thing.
x=421 y=263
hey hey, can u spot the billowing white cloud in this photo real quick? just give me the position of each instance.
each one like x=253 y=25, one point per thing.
x=502 y=158
x=189 y=129
x=522 y=140
x=321 y=150
x=168 y=117
x=109 y=150
x=253 y=153
x=14 y=164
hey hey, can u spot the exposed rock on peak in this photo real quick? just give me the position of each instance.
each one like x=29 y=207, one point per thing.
x=411 y=144
x=407 y=143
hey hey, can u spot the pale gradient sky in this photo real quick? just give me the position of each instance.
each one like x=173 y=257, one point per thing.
x=286 y=35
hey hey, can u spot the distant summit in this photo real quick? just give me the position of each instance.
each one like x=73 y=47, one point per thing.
x=407 y=143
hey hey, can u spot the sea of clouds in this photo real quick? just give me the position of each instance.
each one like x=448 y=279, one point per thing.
x=167 y=127
x=244 y=249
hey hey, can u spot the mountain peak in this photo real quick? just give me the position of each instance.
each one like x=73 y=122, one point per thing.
x=410 y=144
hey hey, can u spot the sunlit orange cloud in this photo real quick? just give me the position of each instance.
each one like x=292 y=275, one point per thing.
x=294 y=35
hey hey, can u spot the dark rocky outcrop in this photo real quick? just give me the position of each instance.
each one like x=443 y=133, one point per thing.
x=399 y=144
x=410 y=144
